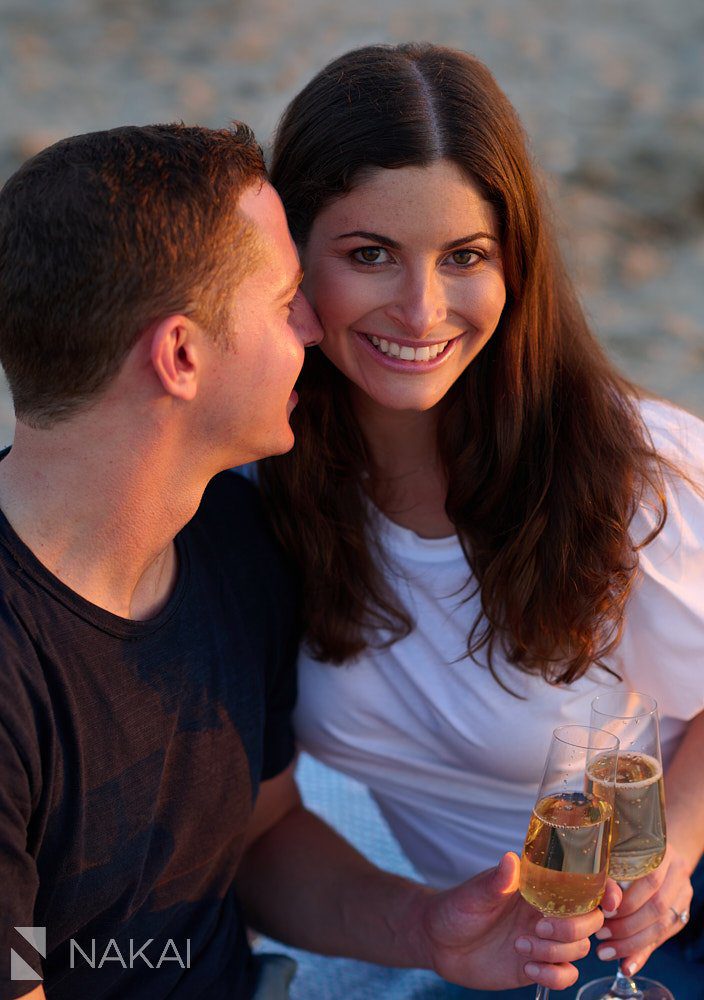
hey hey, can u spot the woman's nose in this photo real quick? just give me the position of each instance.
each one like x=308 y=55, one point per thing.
x=419 y=306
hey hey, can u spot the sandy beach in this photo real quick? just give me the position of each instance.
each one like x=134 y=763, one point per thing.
x=610 y=91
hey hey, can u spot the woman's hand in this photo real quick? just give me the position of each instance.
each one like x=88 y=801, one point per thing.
x=482 y=934
x=649 y=914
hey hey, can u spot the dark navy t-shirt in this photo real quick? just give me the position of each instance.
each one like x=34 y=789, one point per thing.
x=130 y=756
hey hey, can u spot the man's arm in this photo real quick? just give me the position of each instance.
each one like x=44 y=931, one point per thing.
x=302 y=883
x=19 y=770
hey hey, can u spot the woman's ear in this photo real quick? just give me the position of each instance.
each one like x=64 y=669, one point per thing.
x=175 y=356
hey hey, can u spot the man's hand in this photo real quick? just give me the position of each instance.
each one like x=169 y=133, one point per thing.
x=483 y=934
x=301 y=883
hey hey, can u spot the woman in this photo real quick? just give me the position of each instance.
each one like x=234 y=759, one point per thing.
x=492 y=525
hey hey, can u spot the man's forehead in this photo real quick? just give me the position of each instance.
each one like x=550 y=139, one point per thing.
x=262 y=209
x=261 y=205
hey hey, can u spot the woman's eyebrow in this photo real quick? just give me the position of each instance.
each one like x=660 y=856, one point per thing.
x=468 y=239
x=387 y=241
x=373 y=237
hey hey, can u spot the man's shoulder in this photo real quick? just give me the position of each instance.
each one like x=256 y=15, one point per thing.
x=21 y=675
x=19 y=605
x=232 y=510
x=234 y=549
x=233 y=519
x=17 y=596
x=230 y=491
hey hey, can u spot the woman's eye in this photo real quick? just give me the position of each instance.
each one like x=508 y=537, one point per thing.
x=370 y=255
x=464 y=257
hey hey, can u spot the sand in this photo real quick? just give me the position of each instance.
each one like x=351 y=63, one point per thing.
x=610 y=91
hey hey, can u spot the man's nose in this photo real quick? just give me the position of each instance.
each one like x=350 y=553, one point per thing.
x=420 y=305
x=305 y=322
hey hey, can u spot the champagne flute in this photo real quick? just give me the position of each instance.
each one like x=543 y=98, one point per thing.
x=565 y=858
x=638 y=842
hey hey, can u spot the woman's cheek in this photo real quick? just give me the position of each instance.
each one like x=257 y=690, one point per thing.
x=485 y=301
x=341 y=304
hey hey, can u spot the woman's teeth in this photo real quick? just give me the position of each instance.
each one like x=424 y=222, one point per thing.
x=404 y=353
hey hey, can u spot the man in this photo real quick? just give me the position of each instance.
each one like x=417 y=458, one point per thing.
x=152 y=331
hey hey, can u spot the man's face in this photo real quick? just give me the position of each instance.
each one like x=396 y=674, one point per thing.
x=250 y=383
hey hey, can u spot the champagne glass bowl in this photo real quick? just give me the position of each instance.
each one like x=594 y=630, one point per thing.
x=564 y=864
x=639 y=835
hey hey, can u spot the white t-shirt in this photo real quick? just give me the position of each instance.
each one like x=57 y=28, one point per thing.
x=452 y=759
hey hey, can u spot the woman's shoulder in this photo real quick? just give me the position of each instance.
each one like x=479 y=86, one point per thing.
x=678 y=438
x=676 y=434
x=663 y=640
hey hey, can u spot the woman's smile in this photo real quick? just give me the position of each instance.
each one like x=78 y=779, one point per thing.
x=408 y=356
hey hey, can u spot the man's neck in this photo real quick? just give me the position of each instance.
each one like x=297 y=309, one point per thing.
x=101 y=517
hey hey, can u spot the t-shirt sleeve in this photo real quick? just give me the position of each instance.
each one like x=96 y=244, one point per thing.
x=662 y=650
x=19 y=880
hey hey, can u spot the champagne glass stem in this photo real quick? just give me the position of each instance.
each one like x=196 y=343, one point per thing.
x=542 y=993
x=623 y=986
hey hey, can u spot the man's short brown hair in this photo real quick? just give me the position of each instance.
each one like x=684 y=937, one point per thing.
x=103 y=234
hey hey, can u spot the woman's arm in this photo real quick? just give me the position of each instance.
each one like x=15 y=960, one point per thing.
x=684 y=795
x=650 y=908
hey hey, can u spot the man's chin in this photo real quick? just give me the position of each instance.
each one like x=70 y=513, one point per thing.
x=283 y=444
x=287 y=445
x=266 y=447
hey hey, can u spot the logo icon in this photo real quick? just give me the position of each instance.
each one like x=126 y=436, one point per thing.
x=19 y=969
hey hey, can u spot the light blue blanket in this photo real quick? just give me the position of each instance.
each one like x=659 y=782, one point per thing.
x=348 y=807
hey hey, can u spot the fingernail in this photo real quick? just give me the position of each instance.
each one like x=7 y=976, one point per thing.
x=609 y=913
x=606 y=953
x=523 y=946
x=630 y=969
x=604 y=934
x=531 y=970
x=544 y=928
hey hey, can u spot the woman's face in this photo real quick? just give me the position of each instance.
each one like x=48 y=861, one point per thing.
x=405 y=274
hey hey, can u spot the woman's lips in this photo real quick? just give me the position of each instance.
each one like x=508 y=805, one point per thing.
x=405 y=365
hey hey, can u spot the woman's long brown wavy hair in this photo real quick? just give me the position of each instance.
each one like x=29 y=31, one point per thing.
x=541 y=439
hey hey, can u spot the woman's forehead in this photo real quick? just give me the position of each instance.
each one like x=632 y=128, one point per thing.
x=438 y=196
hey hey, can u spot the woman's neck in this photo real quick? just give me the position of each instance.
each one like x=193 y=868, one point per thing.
x=407 y=481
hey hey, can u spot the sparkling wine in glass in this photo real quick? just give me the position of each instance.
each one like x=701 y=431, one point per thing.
x=564 y=864
x=639 y=836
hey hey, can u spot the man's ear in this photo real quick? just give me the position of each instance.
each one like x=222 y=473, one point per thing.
x=176 y=355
